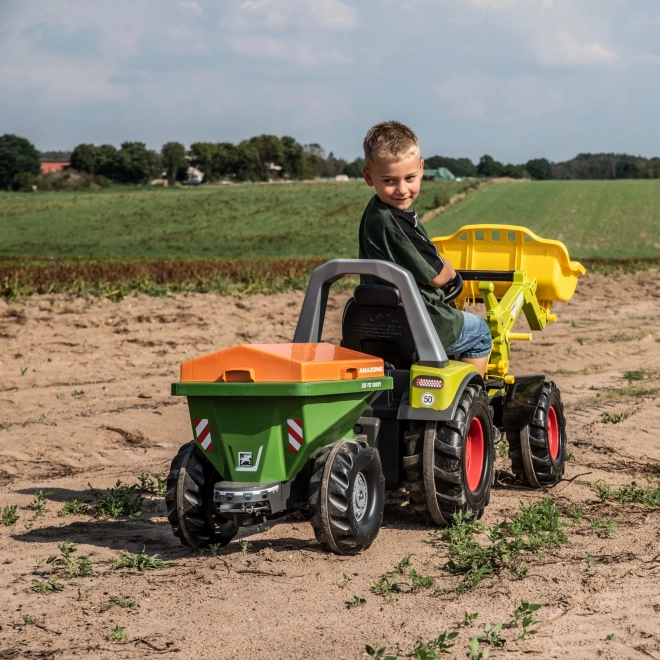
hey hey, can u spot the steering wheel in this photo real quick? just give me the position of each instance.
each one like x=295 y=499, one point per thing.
x=454 y=288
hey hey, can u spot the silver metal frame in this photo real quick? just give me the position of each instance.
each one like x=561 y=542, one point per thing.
x=312 y=315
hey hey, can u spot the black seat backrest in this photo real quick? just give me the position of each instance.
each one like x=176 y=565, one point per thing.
x=375 y=323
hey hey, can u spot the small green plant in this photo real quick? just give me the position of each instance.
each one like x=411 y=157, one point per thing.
x=614 y=417
x=473 y=650
x=28 y=619
x=469 y=617
x=590 y=561
x=378 y=654
x=77 y=393
x=523 y=616
x=604 y=529
x=9 y=516
x=246 y=546
x=117 y=634
x=356 y=602
x=59 y=396
x=142 y=562
x=148 y=485
x=534 y=528
x=432 y=649
x=630 y=494
x=577 y=514
x=609 y=637
x=122 y=500
x=639 y=374
x=396 y=581
x=47 y=586
x=74 y=507
x=503 y=448
x=40 y=503
x=23 y=371
x=127 y=603
x=581 y=340
x=214 y=549
x=83 y=594
x=492 y=635
x=570 y=457
x=78 y=566
x=345 y=579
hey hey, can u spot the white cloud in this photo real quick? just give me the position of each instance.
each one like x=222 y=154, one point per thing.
x=263 y=46
x=561 y=47
x=648 y=58
x=492 y=100
x=193 y=6
x=291 y=14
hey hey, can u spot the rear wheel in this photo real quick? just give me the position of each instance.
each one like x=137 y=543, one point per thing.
x=189 y=499
x=347 y=496
x=538 y=451
x=449 y=465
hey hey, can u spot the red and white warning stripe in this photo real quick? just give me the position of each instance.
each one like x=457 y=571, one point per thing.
x=295 y=431
x=203 y=433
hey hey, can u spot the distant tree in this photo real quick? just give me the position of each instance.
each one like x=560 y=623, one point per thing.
x=489 y=167
x=136 y=163
x=248 y=163
x=271 y=152
x=511 y=171
x=292 y=158
x=17 y=155
x=84 y=158
x=354 y=169
x=539 y=169
x=24 y=182
x=108 y=162
x=173 y=156
x=461 y=167
x=313 y=161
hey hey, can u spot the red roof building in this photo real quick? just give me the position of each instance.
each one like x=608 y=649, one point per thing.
x=54 y=165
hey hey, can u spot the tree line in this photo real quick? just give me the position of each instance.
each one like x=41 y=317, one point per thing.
x=269 y=157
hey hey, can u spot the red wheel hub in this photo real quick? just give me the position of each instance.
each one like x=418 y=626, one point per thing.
x=553 y=433
x=474 y=454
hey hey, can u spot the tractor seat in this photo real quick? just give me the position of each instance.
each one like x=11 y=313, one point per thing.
x=375 y=323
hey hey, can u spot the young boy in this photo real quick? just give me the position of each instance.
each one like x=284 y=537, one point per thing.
x=390 y=230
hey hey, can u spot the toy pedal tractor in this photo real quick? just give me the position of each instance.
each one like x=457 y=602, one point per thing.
x=323 y=430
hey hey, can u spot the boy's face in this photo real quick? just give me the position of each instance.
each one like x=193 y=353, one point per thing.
x=397 y=183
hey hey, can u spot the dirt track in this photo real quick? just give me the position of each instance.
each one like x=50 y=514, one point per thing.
x=93 y=406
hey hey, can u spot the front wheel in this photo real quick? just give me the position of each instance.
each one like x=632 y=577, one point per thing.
x=449 y=465
x=189 y=499
x=538 y=450
x=347 y=496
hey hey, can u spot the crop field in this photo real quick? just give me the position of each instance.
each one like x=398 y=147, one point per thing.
x=595 y=219
x=298 y=220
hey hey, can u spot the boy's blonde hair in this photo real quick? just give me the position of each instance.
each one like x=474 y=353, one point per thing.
x=389 y=140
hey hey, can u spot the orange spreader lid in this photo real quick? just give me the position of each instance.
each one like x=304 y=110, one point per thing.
x=272 y=363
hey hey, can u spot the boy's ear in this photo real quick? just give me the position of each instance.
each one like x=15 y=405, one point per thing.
x=421 y=167
x=367 y=176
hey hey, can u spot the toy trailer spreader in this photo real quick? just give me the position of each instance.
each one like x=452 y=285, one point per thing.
x=322 y=430
x=258 y=414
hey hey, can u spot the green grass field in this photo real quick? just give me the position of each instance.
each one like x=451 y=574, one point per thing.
x=297 y=220
x=595 y=219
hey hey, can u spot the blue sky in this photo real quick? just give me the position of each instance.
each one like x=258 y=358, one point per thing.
x=514 y=78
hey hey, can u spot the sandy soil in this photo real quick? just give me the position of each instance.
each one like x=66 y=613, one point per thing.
x=84 y=401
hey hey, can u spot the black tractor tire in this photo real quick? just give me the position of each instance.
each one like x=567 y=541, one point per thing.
x=347 y=496
x=449 y=465
x=189 y=500
x=538 y=450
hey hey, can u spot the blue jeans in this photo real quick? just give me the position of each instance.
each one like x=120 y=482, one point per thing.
x=474 y=341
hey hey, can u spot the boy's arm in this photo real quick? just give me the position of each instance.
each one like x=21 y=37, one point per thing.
x=445 y=275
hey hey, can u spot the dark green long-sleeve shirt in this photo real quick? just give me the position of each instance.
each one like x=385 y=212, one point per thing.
x=397 y=236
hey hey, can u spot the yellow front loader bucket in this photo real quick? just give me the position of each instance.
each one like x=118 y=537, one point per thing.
x=511 y=248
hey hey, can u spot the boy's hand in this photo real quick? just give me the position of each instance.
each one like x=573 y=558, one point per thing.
x=444 y=276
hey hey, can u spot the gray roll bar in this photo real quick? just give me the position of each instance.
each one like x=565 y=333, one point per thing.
x=310 y=323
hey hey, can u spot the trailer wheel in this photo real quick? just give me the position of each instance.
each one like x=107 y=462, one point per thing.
x=538 y=451
x=189 y=499
x=449 y=465
x=347 y=496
